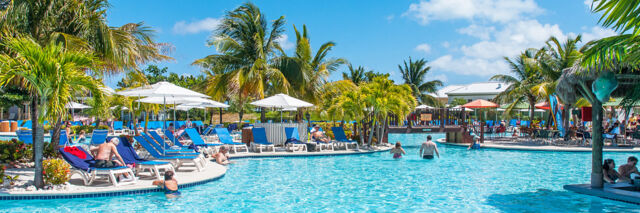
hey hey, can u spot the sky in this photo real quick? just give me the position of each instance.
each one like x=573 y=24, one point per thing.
x=464 y=41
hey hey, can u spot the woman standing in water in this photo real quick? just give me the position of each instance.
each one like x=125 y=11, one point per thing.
x=397 y=151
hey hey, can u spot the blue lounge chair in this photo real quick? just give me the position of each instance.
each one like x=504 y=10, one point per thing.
x=293 y=138
x=99 y=136
x=167 y=150
x=25 y=136
x=27 y=124
x=207 y=131
x=341 y=137
x=118 y=128
x=225 y=138
x=260 y=140
x=197 y=141
x=159 y=138
x=177 y=160
x=129 y=155
x=85 y=169
x=64 y=140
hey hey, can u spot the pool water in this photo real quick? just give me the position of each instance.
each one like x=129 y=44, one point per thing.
x=486 y=180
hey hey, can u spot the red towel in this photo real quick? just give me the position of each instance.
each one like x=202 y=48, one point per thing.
x=75 y=151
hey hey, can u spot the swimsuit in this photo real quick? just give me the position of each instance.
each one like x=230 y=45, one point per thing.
x=397 y=155
x=167 y=191
x=104 y=164
x=427 y=156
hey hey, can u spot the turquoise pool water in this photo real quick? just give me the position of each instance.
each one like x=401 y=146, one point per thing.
x=463 y=181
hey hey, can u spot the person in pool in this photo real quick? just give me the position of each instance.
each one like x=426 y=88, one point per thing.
x=609 y=173
x=398 y=151
x=427 y=149
x=81 y=137
x=474 y=142
x=630 y=168
x=169 y=184
x=222 y=157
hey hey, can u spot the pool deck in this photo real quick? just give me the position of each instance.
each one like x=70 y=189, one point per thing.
x=610 y=191
x=187 y=177
x=538 y=147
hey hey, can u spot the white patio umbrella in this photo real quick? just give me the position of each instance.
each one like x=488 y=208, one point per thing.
x=460 y=108
x=281 y=101
x=75 y=105
x=162 y=89
x=424 y=107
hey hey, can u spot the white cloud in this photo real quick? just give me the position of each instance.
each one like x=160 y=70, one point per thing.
x=207 y=25
x=597 y=33
x=446 y=44
x=284 y=42
x=425 y=48
x=490 y=10
x=390 y=17
x=588 y=3
x=441 y=77
x=481 y=32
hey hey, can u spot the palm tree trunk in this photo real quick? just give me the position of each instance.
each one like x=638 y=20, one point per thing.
x=371 y=129
x=361 y=132
x=146 y=121
x=597 y=142
x=37 y=131
x=55 y=136
x=565 y=121
x=263 y=115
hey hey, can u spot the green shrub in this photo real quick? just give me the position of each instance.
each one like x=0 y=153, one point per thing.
x=56 y=171
x=14 y=151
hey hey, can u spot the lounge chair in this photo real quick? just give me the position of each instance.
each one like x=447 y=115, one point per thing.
x=159 y=138
x=260 y=140
x=99 y=136
x=63 y=140
x=225 y=138
x=165 y=148
x=292 y=134
x=129 y=155
x=84 y=168
x=341 y=137
x=25 y=136
x=197 y=141
x=118 y=127
x=207 y=131
x=177 y=160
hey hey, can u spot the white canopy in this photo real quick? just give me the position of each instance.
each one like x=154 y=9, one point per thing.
x=206 y=103
x=161 y=89
x=75 y=105
x=187 y=107
x=289 y=109
x=281 y=101
x=122 y=107
x=174 y=100
x=424 y=107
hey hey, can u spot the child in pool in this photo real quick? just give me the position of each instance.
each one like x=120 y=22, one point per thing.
x=397 y=151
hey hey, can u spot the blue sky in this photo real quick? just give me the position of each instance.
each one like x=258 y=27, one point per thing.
x=463 y=40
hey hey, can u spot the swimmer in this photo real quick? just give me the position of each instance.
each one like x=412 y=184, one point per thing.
x=397 y=151
x=427 y=149
x=169 y=184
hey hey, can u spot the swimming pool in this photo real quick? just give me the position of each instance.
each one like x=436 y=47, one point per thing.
x=487 y=180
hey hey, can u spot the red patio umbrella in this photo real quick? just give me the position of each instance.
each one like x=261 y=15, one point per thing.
x=545 y=106
x=480 y=104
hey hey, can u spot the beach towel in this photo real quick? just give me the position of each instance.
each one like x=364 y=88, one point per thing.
x=76 y=152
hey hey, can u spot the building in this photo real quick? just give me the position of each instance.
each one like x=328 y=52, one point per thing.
x=470 y=92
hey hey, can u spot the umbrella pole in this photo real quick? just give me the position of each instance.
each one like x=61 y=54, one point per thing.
x=174 y=119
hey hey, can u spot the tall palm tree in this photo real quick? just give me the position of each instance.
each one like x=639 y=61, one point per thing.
x=53 y=75
x=308 y=72
x=414 y=74
x=356 y=75
x=524 y=76
x=243 y=69
x=553 y=59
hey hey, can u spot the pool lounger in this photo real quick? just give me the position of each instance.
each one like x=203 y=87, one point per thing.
x=89 y=174
x=197 y=142
x=177 y=160
x=292 y=133
x=341 y=138
x=225 y=138
x=260 y=140
x=129 y=155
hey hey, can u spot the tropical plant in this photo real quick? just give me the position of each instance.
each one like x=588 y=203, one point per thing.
x=414 y=74
x=356 y=75
x=52 y=75
x=308 y=72
x=56 y=171
x=242 y=69
x=458 y=102
x=524 y=76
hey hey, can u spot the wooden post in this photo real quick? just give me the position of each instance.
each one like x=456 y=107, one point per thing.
x=597 y=143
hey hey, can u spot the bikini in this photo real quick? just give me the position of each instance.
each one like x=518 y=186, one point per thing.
x=397 y=155
x=168 y=191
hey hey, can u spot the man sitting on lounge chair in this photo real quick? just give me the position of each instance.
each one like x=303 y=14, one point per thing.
x=103 y=154
x=318 y=135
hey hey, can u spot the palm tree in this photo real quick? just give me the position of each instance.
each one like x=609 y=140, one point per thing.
x=524 y=76
x=246 y=46
x=53 y=75
x=308 y=72
x=355 y=75
x=414 y=74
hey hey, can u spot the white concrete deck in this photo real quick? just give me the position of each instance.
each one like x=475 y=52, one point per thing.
x=185 y=176
x=537 y=147
x=281 y=153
